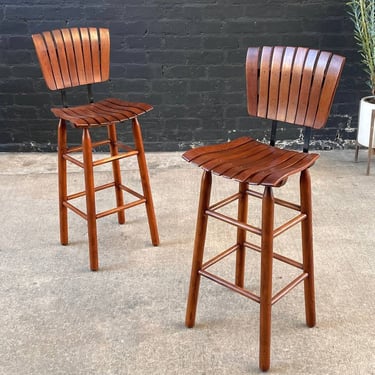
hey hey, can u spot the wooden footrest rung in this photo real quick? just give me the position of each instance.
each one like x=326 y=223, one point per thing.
x=289 y=287
x=107 y=212
x=120 y=208
x=229 y=285
x=251 y=295
x=113 y=158
x=140 y=199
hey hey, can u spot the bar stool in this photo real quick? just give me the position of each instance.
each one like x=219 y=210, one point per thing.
x=288 y=84
x=81 y=56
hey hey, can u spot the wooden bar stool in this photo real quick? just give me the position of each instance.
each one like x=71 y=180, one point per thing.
x=288 y=84
x=75 y=57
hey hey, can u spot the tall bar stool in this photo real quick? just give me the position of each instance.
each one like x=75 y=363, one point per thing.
x=81 y=56
x=288 y=84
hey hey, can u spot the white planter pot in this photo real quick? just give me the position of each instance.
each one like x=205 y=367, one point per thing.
x=364 y=121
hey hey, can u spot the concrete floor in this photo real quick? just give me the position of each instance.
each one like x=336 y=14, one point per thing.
x=57 y=317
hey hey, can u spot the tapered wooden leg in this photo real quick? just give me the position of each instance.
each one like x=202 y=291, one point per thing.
x=307 y=247
x=241 y=235
x=90 y=199
x=145 y=182
x=62 y=172
x=266 y=279
x=200 y=237
x=112 y=134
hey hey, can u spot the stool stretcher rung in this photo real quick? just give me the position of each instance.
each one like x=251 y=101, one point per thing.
x=224 y=202
x=120 y=208
x=94 y=145
x=230 y=220
x=107 y=212
x=132 y=192
x=229 y=285
x=103 y=187
x=277 y=256
x=289 y=287
x=220 y=256
x=252 y=295
x=289 y=224
x=83 y=193
x=73 y=160
x=75 y=210
x=278 y=201
x=123 y=146
x=113 y=158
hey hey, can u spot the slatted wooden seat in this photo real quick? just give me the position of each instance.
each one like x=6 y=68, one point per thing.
x=287 y=84
x=75 y=57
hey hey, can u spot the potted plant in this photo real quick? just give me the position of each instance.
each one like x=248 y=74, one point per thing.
x=362 y=13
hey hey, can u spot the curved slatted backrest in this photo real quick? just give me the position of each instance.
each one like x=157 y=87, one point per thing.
x=292 y=84
x=73 y=57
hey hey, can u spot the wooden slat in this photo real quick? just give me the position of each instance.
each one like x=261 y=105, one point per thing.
x=329 y=88
x=221 y=164
x=70 y=55
x=264 y=78
x=193 y=153
x=55 y=66
x=269 y=175
x=104 y=53
x=232 y=160
x=44 y=61
x=87 y=58
x=316 y=87
x=252 y=66
x=304 y=96
x=295 y=84
x=274 y=84
x=77 y=44
x=95 y=54
x=289 y=167
x=285 y=80
x=62 y=58
x=253 y=162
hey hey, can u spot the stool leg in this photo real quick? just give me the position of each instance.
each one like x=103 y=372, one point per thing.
x=63 y=211
x=266 y=279
x=200 y=237
x=307 y=247
x=241 y=235
x=145 y=182
x=112 y=134
x=90 y=199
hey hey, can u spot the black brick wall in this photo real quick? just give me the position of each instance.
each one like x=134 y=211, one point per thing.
x=184 y=57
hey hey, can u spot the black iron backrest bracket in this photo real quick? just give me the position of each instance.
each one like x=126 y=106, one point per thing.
x=306 y=136
x=273 y=133
x=90 y=96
